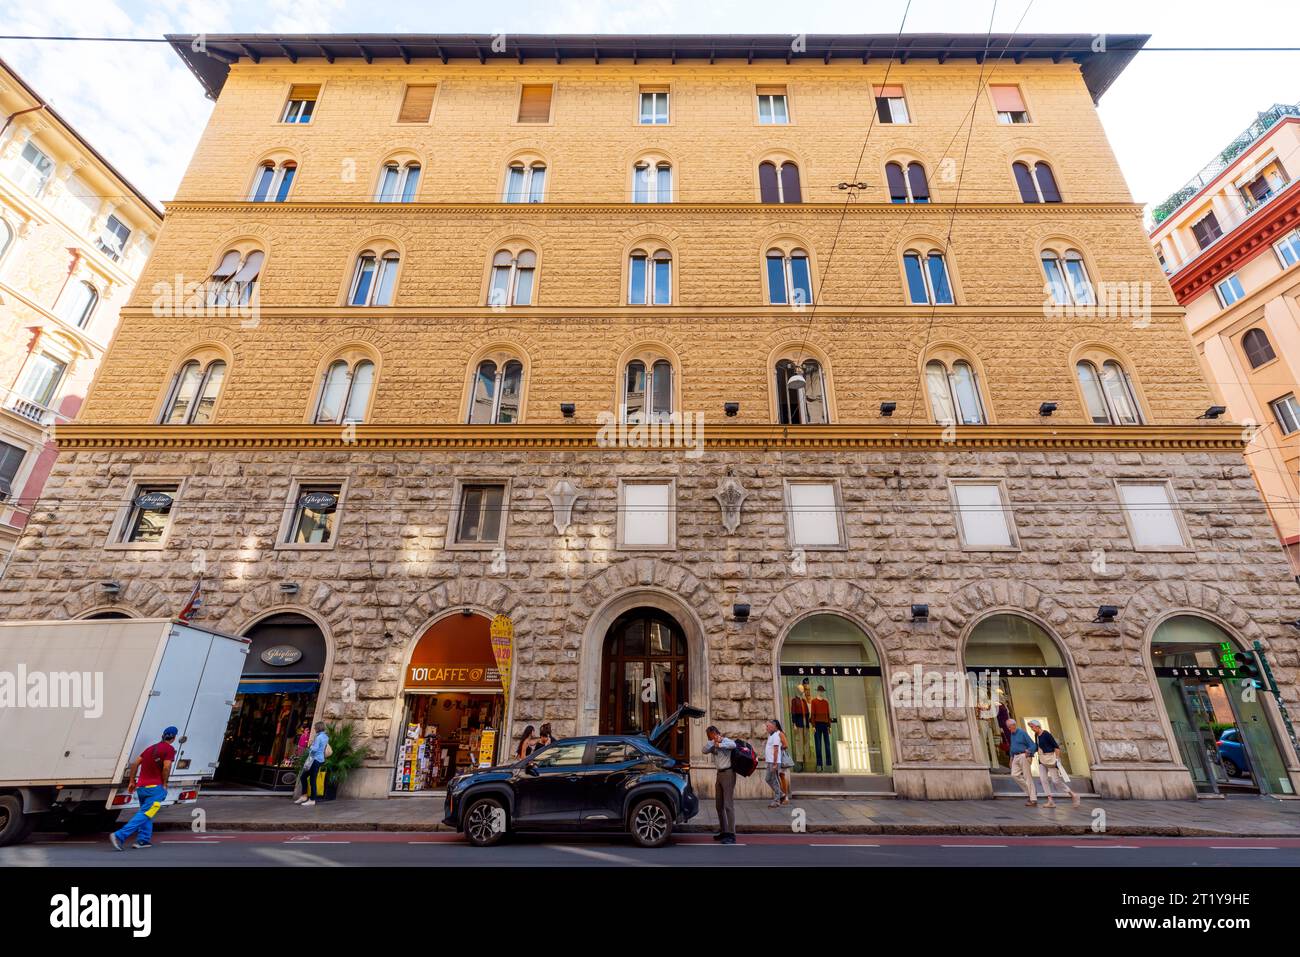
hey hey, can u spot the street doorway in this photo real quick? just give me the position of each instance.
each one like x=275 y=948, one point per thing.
x=644 y=676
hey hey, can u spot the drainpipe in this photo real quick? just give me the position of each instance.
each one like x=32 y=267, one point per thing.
x=10 y=118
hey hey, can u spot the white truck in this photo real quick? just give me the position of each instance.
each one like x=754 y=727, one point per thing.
x=79 y=700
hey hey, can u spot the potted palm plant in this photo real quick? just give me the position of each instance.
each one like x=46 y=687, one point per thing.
x=346 y=755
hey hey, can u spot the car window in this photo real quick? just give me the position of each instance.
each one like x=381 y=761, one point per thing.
x=561 y=755
x=615 y=752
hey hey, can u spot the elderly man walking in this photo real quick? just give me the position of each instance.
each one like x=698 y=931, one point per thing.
x=1022 y=754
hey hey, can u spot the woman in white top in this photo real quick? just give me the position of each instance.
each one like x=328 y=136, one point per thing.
x=772 y=755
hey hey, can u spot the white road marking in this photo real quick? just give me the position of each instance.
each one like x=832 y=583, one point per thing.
x=844 y=845
x=294 y=858
x=601 y=855
x=313 y=843
x=1239 y=847
x=1108 y=847
x=972 y=845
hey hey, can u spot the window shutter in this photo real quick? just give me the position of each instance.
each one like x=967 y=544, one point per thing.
x=897 y=188
x=770 y=90
x=916 y=178
x=1025 y=180
x=1007 y=99
x=304 y=91
x=1047 y=183
x=417 y=104
x=535 y=104
x=790 y=183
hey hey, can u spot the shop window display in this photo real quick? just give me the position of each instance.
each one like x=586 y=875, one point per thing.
x=446 y=733
x=833 y=699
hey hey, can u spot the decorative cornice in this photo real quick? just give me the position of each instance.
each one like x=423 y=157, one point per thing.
x=1246 y=241
x=209 y=438
x=641 y=211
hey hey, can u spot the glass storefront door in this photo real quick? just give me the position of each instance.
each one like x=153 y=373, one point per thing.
x=643 y=676
x=833 y=701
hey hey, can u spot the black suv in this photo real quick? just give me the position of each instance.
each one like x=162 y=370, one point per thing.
x=605 y=782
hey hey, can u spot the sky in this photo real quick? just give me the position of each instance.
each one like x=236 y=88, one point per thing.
x=1166 y=116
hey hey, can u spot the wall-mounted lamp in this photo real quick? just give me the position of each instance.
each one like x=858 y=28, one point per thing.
x=887 y=408
x=1046 y=408
x=567 y=409
x=731 y=408
x=110 y=588
x=740 y=612
x=1213 y=412
x=920 y=613
x=289 y=588
x=1106 y=615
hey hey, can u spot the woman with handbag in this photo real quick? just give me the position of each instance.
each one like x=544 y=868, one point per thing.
x=1049 y=764
x=772 y=755
x=787 y=763
x=315 y=760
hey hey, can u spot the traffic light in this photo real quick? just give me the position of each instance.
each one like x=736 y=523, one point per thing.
x=1248 y=666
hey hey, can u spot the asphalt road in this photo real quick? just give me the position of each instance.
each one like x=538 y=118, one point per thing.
x=413 y=849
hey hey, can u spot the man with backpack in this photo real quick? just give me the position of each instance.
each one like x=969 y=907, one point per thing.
x=724 y=796
x=154 y=767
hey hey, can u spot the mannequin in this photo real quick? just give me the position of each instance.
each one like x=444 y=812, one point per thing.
x=800 y=722
x=985 y=716
x=821 y=719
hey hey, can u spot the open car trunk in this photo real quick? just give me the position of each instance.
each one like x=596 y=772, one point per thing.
x=664 y=728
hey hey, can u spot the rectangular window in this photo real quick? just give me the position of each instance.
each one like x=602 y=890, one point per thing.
x=1009 y=104
x=983 y=517
x=1229 y=290
x=654 y=105
x=417 y=103
x=891 y=107
x=1206 y=230
x=301 y=105
x=315 y=515
x=1288 y=249
x=813 y=515
x=1287 y=412
x=113 y=239
x=535 y=103
x=773 y=107
x=646 y=514
x=41 y=382
x=11 y=459
x=34 y=170
x=480 y=514
x=151 y=512
x=1152 y=516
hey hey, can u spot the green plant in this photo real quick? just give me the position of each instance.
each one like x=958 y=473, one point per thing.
x=346 y=753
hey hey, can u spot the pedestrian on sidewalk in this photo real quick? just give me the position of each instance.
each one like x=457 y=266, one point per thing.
x=316 y=754
x=724 y=796
x=1022 y=754
x=147 y=779
x=1049 y=764
x=304 y=742
x=527 y=742
x=772 y=751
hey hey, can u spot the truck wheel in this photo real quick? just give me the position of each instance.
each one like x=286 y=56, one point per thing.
x=651 y=823
x=15 y=826
x=485 y=822
x=97 y=822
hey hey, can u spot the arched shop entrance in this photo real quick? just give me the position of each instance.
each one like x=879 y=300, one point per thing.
x=833 y=703
x=455 y=706
x=1028 y=679
x=644 y=676
x=275 y=700
x=1217 y=717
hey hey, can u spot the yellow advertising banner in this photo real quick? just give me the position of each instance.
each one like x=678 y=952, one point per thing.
x=503 y=641
x=486 y=745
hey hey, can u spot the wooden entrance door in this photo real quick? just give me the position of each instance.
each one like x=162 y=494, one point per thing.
x=644 y=676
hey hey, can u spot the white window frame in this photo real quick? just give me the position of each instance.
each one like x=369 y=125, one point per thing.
x=924 y=258
x=389 y=259
x=652 y=193
x=227 y=288
x=649 y=361
x=792 y=533
x=1290 y=242
x=651 y=280
x=1286 y=410
x=404 y=170
x=501 y=361
x=351 y=375
x=670 y=483
x=290 y=110
x=654 y=113
x=1098 y=364
x=30 y=175
x=1062 y=275
x=1233 y=283
x=772 y=98
x=1174 y=508
x=530 y=169
x=457 y=503
x=126 y=513
x=512 y=279
x=895 y=103
x=278 y=172
x=288 y=521
x=952 y=395
x=1007 y=513
x=205 y=377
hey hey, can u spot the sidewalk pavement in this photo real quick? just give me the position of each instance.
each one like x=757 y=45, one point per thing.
x=1228 y=817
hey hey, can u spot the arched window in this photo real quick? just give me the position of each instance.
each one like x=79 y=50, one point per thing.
x=1067 y=278
x=272 y=182
x=496 y=393
x=374 y=278
x=907 y=186
x=512 y=278
x=647 y=390
x=927 y=278
x=800 y=393
x=525 y=182
x=1257 y=347
x=650 y=278
x=234 y=280
x=1108 y=393
x=954 y=392
x=779 y=182
x=193 y=393
x=789 y=280
x=1037 y=185
x=652 y=181
x=398 y=182
x=78 y=302
x=345 y=392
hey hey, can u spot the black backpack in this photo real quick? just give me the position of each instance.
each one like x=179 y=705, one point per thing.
x=743 y=759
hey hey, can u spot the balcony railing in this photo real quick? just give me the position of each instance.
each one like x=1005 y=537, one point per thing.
x=1263 y=123
x=1247 y=208
x=31 y=410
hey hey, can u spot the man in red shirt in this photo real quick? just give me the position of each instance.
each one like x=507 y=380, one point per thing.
x=147 y=778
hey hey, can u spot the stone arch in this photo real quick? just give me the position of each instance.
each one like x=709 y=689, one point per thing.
x=138 y=598
x=314 y=600
x=1151 y=603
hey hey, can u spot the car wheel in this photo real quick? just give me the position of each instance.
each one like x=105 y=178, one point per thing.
x=651 y=823
x=1230 y=766
x=15 y=826
x=485 y=822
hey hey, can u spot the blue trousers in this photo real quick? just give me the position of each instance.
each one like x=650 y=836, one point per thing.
x=151 y=798
x=822 y=733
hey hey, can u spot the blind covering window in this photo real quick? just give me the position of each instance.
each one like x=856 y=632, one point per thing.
x=304 y=91
x=983 y=520
x=813 y=514
x=417 y=104
x=1007 y=99
x=1151 y=516
x=535 y=103
x=646 y=510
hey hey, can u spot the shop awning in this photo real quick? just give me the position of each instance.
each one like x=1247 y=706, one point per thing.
x=284 y=686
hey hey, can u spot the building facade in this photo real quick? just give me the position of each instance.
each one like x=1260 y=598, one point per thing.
x=1229 y=241
x=449 y=331
x=74 y=235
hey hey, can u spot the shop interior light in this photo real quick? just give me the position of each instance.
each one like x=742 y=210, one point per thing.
x=1046 y=408
x=110 y=588
x=887 y=408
